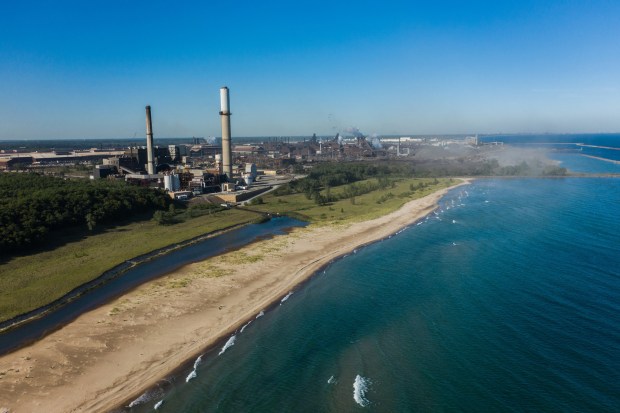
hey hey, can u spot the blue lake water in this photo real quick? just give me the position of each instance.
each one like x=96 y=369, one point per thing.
x=573 y=151
x=507 y=299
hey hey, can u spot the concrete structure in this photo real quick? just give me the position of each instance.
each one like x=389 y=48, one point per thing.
x=8 y=163
x=150 y=167
x=177 y=152
x=226 y=145
x=180 y=195
x=228 y=187
x=172 y=183
x=239 y=196
x=103 y=171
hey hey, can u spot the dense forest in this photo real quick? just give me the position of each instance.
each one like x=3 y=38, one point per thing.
x=32 y=206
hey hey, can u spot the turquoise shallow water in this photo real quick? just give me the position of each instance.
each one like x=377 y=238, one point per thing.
x=506 y=300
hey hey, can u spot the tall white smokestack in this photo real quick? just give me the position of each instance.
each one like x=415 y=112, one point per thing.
x=150 y=168
x=226 y=148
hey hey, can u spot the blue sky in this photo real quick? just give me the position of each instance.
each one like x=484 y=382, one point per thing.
x=86 y=69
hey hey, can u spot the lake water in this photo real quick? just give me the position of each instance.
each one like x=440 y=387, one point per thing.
x=505 y=299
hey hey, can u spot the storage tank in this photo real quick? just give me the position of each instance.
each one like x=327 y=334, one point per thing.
x=168 y=183
x=176 y=182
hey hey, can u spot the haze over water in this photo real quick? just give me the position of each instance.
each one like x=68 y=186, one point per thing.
x=507 y=299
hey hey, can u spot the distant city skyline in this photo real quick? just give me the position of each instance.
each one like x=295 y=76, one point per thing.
x=73 y=70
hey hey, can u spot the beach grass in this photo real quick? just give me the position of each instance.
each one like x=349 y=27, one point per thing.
x=359 y=208
x=34 y=280
x=31 y=281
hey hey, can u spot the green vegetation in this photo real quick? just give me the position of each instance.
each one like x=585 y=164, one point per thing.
x=31 y=281
x=85 y=243
x=328 y=175
x=352 y=202
x=33 y=207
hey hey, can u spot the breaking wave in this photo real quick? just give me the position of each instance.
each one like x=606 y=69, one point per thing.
x=286 y=297
x=360 y=387
x=158 y=404
x=229 y=343
x=245 y=325
x=193 y=373
x=140 y=400
x=191 y=376
x=262 y=313
x=197 y=362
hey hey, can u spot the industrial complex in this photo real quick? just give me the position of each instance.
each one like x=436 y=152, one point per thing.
x=234 y=172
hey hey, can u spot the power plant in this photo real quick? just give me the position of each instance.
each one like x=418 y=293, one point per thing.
x=206 y=165
x=172 y=168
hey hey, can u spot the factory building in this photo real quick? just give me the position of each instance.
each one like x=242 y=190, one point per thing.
x=161 y=166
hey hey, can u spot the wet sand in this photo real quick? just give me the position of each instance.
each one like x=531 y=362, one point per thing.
x=111 y=355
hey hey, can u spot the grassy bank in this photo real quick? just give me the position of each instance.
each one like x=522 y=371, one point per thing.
x=354 y=209
x=31 y=281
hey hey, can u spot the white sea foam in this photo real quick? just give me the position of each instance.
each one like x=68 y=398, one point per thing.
x=246 y=324
x=229 y=343
x=354 y=251
x=331 y=380
x=286 y=297
x=262 y=313
x=158 y=404
x=191 y=376
x=140 y=400
x=197 y=362
x=360 y=387
x=454 y=221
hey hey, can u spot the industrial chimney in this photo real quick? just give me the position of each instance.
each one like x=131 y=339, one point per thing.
x=226 y=147
x=150 y=168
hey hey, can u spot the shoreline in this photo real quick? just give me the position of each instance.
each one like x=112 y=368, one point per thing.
x=107 y=357
x=108 y=275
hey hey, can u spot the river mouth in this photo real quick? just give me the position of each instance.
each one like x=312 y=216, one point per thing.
x=105 y=290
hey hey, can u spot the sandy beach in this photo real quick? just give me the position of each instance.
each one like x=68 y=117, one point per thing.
x=111 y=355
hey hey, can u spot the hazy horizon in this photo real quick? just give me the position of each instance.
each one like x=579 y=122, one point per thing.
x=138 y=139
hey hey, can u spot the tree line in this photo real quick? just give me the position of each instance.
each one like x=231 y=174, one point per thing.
x=329 y=174
x=323 y=176
x=32 y=206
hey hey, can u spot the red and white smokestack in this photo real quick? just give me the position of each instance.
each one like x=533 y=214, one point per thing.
x=226 y=146
x=150 y=167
